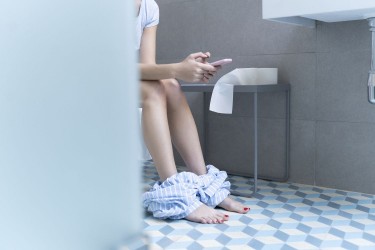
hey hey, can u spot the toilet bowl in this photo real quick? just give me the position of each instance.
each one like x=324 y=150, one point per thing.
x=145 y=155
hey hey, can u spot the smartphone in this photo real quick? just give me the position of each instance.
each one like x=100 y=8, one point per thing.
x=221 y=62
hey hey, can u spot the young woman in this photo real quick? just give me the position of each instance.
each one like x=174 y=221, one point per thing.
x=167 y=118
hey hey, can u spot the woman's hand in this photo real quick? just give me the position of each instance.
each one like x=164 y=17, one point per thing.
x=209 y=74
x=195 y=68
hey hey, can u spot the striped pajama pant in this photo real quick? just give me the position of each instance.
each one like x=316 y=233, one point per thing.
x=182 y=193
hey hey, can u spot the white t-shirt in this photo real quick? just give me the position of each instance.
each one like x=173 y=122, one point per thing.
x=148 y=17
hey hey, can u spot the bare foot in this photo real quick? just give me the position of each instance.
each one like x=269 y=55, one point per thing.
x=207 y=215
x=233 y=206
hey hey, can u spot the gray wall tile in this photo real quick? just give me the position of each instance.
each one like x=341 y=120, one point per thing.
x=345 y=156
x=343 y=36
x=231 y=145
x=237 y=29
x=297 y=69
x=302 y=152
x=174 y=1
x=180 y=31
x=342 y=87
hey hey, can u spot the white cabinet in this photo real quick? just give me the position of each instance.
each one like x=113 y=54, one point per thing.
x=305 y=12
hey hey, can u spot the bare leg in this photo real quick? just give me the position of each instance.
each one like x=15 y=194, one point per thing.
x=155 y=128
x=158 y=140
x=185 y=137
x=183 y=129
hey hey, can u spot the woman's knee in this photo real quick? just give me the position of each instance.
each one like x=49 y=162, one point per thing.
x=153 y=91
x=172 y=87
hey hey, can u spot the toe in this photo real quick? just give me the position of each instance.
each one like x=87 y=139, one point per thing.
x=246 y=209
x=213 y=219
x=220 y=216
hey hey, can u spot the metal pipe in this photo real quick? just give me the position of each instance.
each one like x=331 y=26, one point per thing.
x=371 y=78
x=371 y=87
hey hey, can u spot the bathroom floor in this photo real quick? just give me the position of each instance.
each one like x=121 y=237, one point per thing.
x=283 y=216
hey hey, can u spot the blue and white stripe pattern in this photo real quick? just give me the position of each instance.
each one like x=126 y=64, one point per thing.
x=182 y=193
x=214 y=189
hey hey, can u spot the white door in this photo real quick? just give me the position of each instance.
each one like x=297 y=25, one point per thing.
x=69 y=174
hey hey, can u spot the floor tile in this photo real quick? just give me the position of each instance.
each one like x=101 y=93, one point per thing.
x=282 y=216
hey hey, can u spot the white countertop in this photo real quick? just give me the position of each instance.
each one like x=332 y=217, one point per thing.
x=305 y=12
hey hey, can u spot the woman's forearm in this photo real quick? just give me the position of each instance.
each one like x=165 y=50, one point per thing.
x=157 y=71
x=193 y=69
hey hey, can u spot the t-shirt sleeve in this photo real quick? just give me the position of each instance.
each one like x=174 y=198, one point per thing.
x=152 y=13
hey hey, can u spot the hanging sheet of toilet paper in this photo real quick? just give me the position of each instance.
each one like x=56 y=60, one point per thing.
x=222 y=95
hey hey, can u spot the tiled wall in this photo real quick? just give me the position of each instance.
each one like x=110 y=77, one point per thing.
x=332 y=124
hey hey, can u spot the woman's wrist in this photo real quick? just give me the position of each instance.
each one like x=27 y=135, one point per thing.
x=175 y=70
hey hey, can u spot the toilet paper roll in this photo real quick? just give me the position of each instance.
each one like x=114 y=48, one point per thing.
x=246 y=76
x=222 y=95
x=266 y=76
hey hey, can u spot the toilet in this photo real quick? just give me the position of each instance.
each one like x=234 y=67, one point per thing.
x=145 y=155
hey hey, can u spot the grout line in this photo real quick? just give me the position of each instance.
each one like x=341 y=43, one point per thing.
x=303 y=120
x=315 y=105
x=279 y=54
x=315 y=151
x=351 y=122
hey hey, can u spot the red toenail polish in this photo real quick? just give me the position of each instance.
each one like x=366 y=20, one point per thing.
x=226 y=215
x=246 y=208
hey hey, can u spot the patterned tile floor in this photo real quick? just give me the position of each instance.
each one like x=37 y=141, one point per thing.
x=283 y=216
